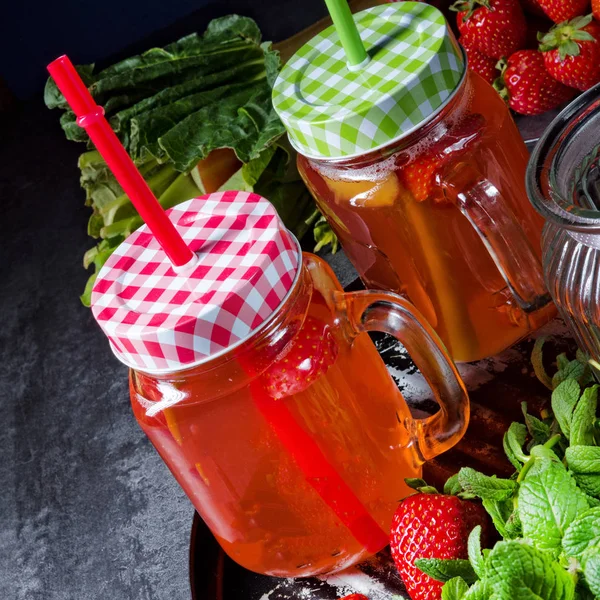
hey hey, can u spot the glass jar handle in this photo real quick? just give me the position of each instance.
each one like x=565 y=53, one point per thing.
x=390 y=313
x=480 y=201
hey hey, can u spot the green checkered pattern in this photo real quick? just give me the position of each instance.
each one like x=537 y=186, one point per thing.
x=333 y=112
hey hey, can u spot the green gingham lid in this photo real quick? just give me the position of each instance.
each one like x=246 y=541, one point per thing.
x=331 y=111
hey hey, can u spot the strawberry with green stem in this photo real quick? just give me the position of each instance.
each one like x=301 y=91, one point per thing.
x=571 y=52
x=430 y=525
x=527 y=86
x=496 y=28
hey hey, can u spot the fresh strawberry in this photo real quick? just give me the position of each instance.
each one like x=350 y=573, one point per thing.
x=480 y=63
x=432 y=526
x=312 y=351
x=354 y=597
x=418 y=176
x=528 y=87
x=496 y=27
x=564 y=10
x=596 y=9
x=532 y=7
x=572 y=52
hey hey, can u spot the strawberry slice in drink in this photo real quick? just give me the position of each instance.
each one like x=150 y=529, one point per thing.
x=310 y=355
x=419 y=176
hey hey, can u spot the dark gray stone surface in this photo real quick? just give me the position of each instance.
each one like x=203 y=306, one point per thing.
x=87 y=508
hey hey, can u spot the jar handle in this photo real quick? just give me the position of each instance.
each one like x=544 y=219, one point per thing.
x=480 y=201
x=389 y=313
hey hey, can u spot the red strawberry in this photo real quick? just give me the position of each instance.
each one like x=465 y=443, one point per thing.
x=418 y=176
x=572 y=52
x=596 y=9
x=312 y=351
x=432 y=526
x=480 y=63
x=355 y=597
x=564 y=10
x=532 y=7
x=495 y=27
x=529 y=87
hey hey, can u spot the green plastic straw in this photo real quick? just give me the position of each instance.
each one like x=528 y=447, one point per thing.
x=346 y=29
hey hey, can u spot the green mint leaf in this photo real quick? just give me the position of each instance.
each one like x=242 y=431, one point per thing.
x=500 y=513
x=583 y=533
x=444 y=570
x=537 y=360
x=452 y=487
x=584 y=416
x=562 y=361
x=591 y=569
x=564 y=400
x=513 y=442
x=520 y=572
x=485 y=487
x=474 y=549
x=593 y=502
x=590 y=484
x=583 y=459
x=570 y=370
x=477 y=592
x=514 y=529
x=454 y=589
x=538 y=430
x=549 y=500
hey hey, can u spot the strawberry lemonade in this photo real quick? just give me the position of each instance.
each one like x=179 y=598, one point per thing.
x=231 y=455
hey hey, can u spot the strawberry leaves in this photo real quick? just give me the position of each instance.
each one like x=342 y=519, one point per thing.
x=565 y=36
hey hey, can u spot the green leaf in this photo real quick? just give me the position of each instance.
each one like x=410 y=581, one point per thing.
x=485 y=487
x=537 y=361
x=500 y=513
x=582 y=533
x=452 y=487
x=584 y=416
x=572 y=370
x=324 y=236
x=520 y=572
x=444 y=570
x=564 y=400
x=514 y=528
x=420 y=485
x=513 y=442
x=454 y=589
x=590 y=484
x=583 y=459
x=548 y=501
x=474 y=550
x=538 y=430
x=477 y=591
x=591 y=569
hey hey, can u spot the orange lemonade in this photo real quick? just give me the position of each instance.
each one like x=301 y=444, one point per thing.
x=399 y=218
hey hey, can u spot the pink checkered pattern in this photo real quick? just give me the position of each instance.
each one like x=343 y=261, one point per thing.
x=158 y=320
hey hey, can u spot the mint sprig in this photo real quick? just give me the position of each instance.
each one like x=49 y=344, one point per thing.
x=548 y=512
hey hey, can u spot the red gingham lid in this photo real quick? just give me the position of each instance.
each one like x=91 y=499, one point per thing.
x=159 y=320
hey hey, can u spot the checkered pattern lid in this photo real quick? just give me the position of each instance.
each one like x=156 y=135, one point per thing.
x=331 y=111
x=158 y=320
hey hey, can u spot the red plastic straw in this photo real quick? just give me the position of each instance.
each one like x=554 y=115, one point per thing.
x=90 y=116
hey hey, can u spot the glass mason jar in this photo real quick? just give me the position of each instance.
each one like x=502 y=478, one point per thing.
x=563 y=183
x=293 y=446
x=419 y=169
x=441 y=217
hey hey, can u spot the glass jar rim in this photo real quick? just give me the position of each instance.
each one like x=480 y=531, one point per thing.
x=542 y=176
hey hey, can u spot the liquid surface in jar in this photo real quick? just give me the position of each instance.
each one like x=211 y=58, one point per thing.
x=229 y=456
x=402 y=231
